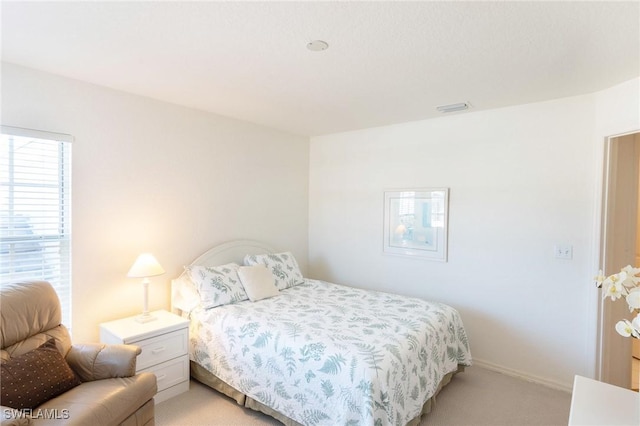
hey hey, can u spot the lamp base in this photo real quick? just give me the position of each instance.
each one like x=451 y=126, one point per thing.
x=144 y=318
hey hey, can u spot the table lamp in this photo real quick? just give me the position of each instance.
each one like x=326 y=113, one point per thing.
x=144 y=267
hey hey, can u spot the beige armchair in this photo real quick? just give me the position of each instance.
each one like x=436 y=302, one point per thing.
x=52 y=382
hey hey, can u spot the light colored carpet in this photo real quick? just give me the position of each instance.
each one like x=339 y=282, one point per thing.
x=476 y=397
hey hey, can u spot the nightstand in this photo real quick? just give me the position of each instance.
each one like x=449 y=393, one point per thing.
x=598 y=403
x=164 y=344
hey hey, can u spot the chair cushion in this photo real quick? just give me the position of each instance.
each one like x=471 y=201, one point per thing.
x=103 y=402
x=32 y=378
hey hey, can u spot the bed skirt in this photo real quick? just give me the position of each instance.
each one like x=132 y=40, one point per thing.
x=205 y=377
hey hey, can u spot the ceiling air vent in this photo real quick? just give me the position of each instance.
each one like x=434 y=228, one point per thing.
x=454 y=107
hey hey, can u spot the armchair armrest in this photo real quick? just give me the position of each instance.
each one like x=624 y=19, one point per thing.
x=99 y=361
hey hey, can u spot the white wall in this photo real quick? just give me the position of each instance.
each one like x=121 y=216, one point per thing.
x=521 y=179
x=151 y=176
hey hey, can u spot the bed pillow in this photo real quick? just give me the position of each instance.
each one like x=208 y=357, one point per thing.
x=258 y=282
x=185 y=296
x=283 y=266
x=217 y=285
x=30 y=379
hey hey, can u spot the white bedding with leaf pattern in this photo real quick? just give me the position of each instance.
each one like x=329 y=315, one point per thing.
x=322 y=353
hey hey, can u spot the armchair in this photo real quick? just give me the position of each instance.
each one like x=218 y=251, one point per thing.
x=47 y=380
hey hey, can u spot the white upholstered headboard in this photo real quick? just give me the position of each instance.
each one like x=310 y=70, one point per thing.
x=232 y=251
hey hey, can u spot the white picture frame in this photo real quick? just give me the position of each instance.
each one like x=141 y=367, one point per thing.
x=416 y=223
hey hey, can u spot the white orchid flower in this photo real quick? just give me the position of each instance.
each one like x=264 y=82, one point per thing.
x=633 y=299
x=613 y=287
x=621 y=277
x=635 y=324
x=624 y=328
x=632 y=279
x=625 y=283
x=599 y=279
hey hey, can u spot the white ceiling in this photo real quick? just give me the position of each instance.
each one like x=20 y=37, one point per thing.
x=387 y=62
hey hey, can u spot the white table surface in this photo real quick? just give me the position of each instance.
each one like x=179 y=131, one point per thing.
x=601 y=404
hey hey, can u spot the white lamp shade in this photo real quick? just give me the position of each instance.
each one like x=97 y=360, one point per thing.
x=145 y=266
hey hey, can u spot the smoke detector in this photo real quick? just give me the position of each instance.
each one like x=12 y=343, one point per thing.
x=317 y=45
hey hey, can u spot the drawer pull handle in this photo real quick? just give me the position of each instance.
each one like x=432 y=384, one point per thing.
x=161 y=377
x=158 y=350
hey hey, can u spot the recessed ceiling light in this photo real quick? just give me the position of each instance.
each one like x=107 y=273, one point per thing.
x=454 y=107
x=317 y=45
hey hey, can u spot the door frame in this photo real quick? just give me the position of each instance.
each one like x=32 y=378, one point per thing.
x=609 y=345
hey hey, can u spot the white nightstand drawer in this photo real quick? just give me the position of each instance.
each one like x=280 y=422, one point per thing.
x=171 y=373
x=162 y=348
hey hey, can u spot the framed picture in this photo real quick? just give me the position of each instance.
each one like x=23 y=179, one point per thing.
x=416 y=223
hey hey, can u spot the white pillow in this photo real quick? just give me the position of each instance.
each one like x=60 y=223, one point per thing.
x=217 y=285
x=283 y=266
x=258 y=282
x=185 y=296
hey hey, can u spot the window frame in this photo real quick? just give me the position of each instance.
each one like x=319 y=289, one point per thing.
x=60 y=241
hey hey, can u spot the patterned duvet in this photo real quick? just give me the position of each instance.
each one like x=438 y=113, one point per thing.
x=322 y=353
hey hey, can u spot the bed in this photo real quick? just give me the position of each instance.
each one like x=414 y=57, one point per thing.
x=315 y=352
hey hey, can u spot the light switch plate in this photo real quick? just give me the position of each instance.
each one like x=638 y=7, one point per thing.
x=563 y=251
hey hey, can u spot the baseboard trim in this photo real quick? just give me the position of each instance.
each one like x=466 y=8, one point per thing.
x=524 y=376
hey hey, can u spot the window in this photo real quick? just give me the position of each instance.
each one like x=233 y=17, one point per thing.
x=35 y=210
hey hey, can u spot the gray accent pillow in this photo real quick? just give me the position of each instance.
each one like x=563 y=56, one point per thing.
x=283 y=266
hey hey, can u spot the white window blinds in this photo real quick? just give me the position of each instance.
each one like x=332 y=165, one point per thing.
x=35 y=211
